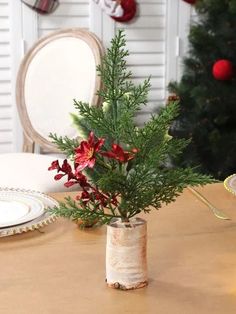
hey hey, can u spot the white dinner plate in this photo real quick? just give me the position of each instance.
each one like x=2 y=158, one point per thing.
x=39 y=222
x=230 y=183
x=17 y=208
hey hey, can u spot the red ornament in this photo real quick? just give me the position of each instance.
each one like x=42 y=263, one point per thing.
x=191 y=1
x=223 y=70
x=129 y=7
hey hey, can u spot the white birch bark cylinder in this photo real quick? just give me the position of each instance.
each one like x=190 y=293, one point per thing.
x=126 y=254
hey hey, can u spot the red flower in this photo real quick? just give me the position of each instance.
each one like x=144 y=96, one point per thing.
x=119 y=154
x=84 y=196
x=114 y=200
x=82 y=179
x=59 y=176
x=78 y=178
x=94 y=196
x=85 y=153
x=72 y=178
x=54 y=165
x=65 y=168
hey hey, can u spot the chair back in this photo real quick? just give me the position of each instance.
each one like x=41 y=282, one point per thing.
x=57 y=69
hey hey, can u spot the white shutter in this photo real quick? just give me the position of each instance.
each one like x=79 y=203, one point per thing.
x=146 y=41
x=6 y=107
x=194 y=17
x=186 y=16
x=70 y=13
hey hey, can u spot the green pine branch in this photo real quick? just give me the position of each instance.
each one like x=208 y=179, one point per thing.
x=65 y=144
x=76 y=210
x=145 y=181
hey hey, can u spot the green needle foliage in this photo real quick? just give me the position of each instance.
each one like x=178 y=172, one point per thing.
x=142 y=182
x=207 y=105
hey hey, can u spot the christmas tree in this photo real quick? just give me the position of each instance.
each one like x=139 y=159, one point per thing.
x=207 y=91
x=120 y=169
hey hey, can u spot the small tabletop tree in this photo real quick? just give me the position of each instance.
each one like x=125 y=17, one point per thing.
x=120 y=169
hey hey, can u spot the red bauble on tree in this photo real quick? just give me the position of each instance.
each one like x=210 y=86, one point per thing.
x=223 y=70
x=129 y=7
x=191 y=1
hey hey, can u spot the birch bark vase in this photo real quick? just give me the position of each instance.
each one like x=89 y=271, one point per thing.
x=126 y=258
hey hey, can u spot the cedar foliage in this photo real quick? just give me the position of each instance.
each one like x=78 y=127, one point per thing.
x=144 y=182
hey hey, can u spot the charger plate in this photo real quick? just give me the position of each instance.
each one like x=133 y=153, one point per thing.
x=39 y=221
x=230 y=184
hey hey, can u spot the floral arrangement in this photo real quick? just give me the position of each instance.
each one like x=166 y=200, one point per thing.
x=120 y=170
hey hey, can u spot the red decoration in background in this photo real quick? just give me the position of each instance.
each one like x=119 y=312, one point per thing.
x=42 y=6
x=223 y=70
x=129 y=7
x=191 y=1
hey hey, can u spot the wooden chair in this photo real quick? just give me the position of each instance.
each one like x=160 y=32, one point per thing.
x=57 y=69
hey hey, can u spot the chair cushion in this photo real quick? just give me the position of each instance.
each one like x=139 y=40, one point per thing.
x=29 y=171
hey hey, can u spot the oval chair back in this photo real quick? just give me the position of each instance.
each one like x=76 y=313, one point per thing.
x=57 y=69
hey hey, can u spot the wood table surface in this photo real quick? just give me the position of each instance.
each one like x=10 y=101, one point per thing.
x=191 y=261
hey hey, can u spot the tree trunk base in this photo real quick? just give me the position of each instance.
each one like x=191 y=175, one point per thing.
x=118 y=286
x=126 y=262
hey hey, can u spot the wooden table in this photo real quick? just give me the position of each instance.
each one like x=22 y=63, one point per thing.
x=191 y=258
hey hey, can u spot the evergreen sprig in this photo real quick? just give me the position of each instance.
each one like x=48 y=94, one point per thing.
x=65 y=144
x=131 y=172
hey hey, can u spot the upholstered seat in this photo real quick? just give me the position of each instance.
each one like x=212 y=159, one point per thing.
x=57 y=69
x=28 y=171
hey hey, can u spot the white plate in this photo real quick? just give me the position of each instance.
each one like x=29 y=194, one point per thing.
x=38 y=222
x=17 y=208
x=230 y=184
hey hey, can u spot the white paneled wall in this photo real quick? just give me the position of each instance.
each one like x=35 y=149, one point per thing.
x=151 y=40
x=146 y=41
x=6 y=114
x=70 y=13
x=186 y=16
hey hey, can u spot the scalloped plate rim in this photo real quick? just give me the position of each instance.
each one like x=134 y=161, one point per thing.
x=227 y=186
x=39 y=222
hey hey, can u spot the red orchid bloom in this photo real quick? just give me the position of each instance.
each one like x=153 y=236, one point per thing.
x=119 y=154
x=82 y=179
x=78 y=178
x=94 y=196
x=84 y=196
x=54 y=165
x=85 y=153
x=66 y=169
